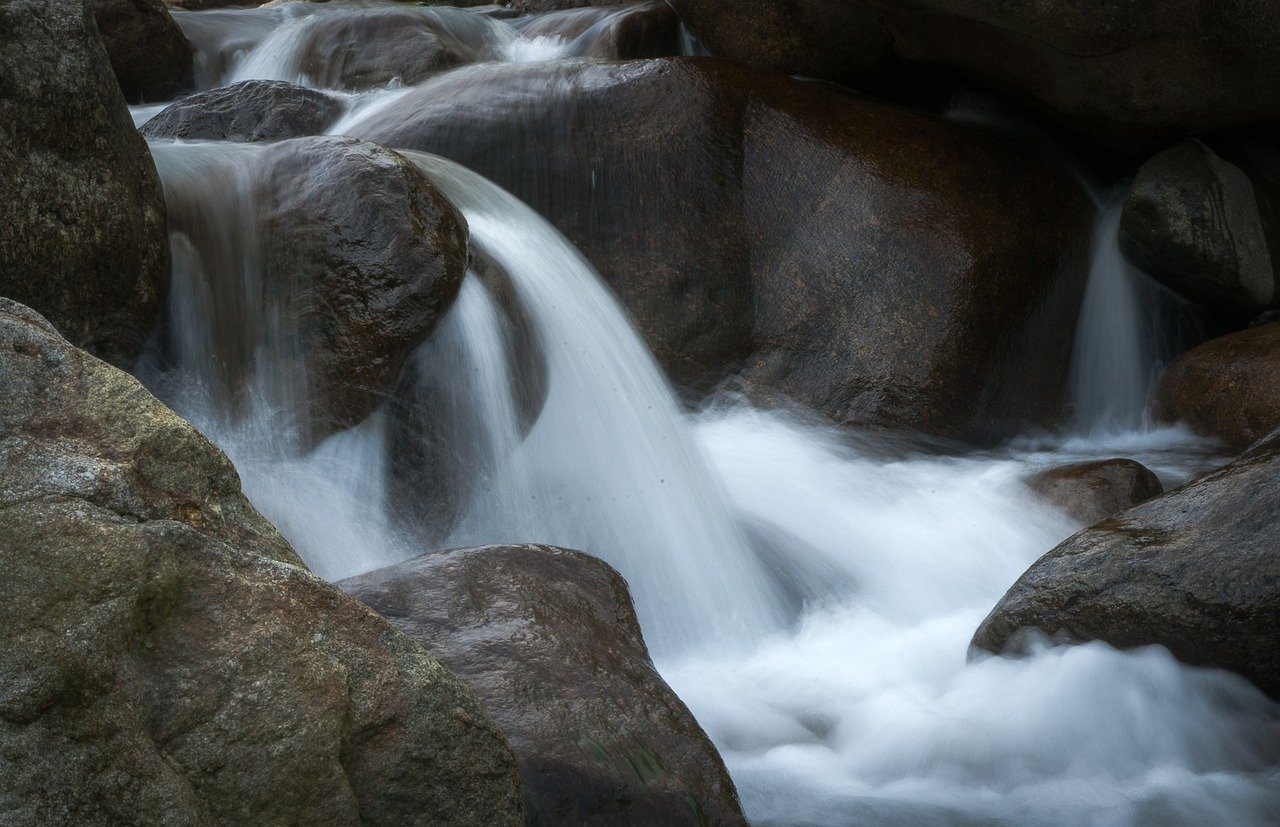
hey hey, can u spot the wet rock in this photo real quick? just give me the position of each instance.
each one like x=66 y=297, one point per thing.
x=1195 y=222
x=1129 y=74
x=358 y=257
x=1196 y=570
x=250 y=111
x=439 y=449
x=548 y=639
x=542 y=6
x=82 y=219
x=165 y=657
x=150 y=56
x=1092 y=491
x=629 y=32
x=882 y=266
x=1227 y=388
x=374 y=254
x=365 y=49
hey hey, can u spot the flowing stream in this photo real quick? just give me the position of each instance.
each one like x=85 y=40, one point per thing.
x=809 y=592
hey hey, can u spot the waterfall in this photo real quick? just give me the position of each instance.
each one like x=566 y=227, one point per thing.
x=1122 y=336
x=809 y=591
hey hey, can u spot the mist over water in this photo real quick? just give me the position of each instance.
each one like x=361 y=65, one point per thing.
x=809 y=591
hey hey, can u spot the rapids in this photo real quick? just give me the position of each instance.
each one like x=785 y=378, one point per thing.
x=809 y=592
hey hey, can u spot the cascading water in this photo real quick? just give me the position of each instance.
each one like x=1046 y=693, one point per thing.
x=810 y=593
x=1123 y=336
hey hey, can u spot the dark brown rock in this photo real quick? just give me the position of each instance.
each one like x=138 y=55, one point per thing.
x=82 y=219
x=1196 y=570
x=150 y=56
x=1196 y=222
x=369 y=48
x=250 y=111
x=882 y=266
x=165 y=657
x=1129 y=74
x=1092 y=491
x=548 y=639
x=1227 y=388
x=359 y=255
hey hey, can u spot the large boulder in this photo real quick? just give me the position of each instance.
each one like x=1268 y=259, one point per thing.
x=1092 y=491
x=367 y=48
x=549 y=640
x=882 y=266
x=358 y=256
x=165 y=657
x=1125 y=73
x=1206 y=228
x=249 y=111
x=82 y=219
x=1227 y=388
x=1196 y=570
x=150 y=56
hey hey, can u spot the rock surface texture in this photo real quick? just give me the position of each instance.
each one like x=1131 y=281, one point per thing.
x=82 y=217
x=165 y=657
x=150 y=56
x=548 y=639
x=249 y=111
x=1196 y=570
x=1093 y=491
x=1207 y=228
x=1227 y=388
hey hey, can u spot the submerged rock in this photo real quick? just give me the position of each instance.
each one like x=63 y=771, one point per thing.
x=1196 y=570
x=165 y=657
x=1227 y=388
x=1199 y=224
x=252 y=110
x=882 y=266
x=82 y=219
x=548 y=639
x=1092 y=491
x=1129 y=74
x=150 y=55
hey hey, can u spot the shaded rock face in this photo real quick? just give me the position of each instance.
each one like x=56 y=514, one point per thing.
x=879 y=265
x=548 y=639
x=1199 y=224
x=150 y=56
x=1127 y=74
x=166 y=658
x=1196 y=570
x=630 y=32
x=357 y=256
x=372 y=48
x=1227 y=388
x=82 y=219
x=438 y=447
x=1092 y=491
x=249 y=111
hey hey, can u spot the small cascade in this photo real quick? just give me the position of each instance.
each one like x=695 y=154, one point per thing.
x=608 y=465
x=1124 y=335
